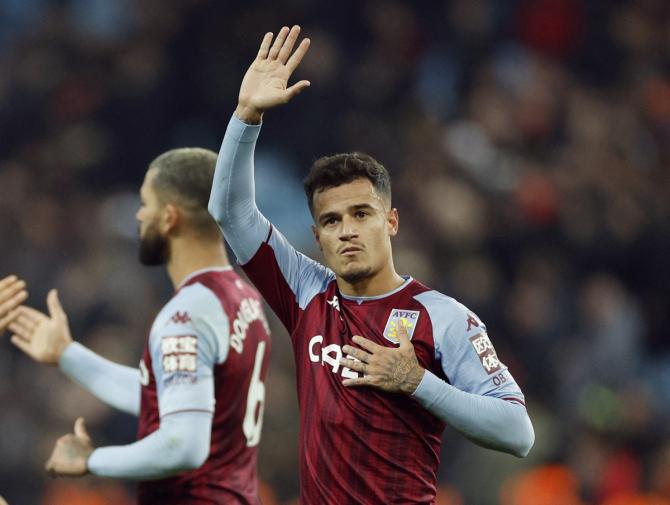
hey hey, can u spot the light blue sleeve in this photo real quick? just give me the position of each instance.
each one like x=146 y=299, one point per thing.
x=116 y=385
x=232 y=201
x=306 y=277
x=185 y=350
x=481 y=400
x=181 y=443
x=189 y=337
x=233 y=206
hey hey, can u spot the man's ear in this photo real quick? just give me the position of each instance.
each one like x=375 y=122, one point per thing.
x=393 y=221
x=170 y=218
x=315 y=231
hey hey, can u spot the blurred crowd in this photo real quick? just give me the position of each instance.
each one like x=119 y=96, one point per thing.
x=529 y=145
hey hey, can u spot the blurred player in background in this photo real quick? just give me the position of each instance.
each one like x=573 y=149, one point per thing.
x=382 y=361
x=199 y=392
x=12 y=294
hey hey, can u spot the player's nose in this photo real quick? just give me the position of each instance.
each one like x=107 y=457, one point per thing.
x=349 y=228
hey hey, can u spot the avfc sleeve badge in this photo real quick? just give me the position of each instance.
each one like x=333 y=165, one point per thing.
x=408 y=318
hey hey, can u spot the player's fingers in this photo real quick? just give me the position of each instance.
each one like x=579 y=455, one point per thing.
x=33 y=314
x=8 y=319
x=278 y=43
x=360 y=381
x=366 y=344
x=3 y=501
x=352 y=364
x=403 y=335
x=80 y=429
x=7 y=281
x=14 y=301
x=55 y=308
x=298 y=55
x=9 y=290
x=25 y=321
x=21 y=331
x=286 y=49
x=265 y=46
x=21 y=344
x=359 y=354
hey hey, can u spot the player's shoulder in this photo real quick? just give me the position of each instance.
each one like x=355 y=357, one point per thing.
x=449 y=316
x=191 y=304
x=439 y=303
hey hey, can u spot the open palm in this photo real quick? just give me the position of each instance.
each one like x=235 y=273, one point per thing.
x=42 y=337
x=265 y=85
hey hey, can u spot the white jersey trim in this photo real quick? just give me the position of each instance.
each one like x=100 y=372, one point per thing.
x=361 y=299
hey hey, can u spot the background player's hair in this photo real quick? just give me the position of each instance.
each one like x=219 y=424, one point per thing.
x=338 y=169
x=184 y=177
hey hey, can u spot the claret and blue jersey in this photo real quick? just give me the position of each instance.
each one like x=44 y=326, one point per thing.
x=365 y=445
x=213 y=327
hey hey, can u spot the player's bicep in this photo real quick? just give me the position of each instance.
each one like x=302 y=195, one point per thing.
x=465 y=351
x=183 y=368
x=471 y=362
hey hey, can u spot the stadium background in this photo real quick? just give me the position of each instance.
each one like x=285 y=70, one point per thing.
x=529 y=143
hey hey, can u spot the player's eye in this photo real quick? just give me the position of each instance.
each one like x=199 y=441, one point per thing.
x=361 y=214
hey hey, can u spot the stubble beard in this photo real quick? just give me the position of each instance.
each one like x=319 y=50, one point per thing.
x=357 y=275
x=154 y=248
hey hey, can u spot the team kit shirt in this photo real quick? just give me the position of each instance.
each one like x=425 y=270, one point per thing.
x=214 y=326
x=363 y=445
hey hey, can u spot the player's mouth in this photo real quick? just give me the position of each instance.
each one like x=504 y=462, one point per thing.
x=351 y=250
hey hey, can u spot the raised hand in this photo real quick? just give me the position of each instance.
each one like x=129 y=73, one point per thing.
x=395 y=370
x=265 y=85
x=42 y=337
x=71 y=452
x=12 y=294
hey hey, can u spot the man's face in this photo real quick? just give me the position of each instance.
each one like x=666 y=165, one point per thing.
x=154 y=246
x=353 y=229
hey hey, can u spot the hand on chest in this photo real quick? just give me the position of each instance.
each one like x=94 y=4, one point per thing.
x=378 y=323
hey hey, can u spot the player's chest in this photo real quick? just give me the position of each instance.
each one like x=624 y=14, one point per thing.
x=321 y=335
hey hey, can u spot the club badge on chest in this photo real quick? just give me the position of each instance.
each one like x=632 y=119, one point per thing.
x=408 y=318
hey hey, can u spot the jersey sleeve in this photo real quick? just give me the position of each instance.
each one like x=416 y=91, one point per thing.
x=287 y=279
x=190 y=341
x=464 y=349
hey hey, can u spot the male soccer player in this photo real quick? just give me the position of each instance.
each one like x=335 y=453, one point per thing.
x=383 y=362
x=200 y=388
x=12 y=294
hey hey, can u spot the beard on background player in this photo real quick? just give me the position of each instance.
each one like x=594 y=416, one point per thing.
x=12 y=294
x=199 y=392
x=383 y=362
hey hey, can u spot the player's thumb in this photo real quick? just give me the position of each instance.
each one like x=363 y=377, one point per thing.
x=296 y=89
x=80 y=429
x=403 y=335
x=55 y=308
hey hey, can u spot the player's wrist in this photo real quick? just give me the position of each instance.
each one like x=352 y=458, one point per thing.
x=248 y=114
x=414 y=378
x=58 y=351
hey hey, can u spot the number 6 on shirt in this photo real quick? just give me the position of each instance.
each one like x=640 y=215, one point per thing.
x=253 y=424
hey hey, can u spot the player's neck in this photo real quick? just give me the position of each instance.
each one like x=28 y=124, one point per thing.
x=188 y=256
x=378 y=284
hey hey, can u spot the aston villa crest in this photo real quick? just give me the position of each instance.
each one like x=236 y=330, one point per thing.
x=408 y=318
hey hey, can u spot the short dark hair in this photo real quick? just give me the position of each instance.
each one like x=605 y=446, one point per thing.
x=184 y=176
x=332 y=171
